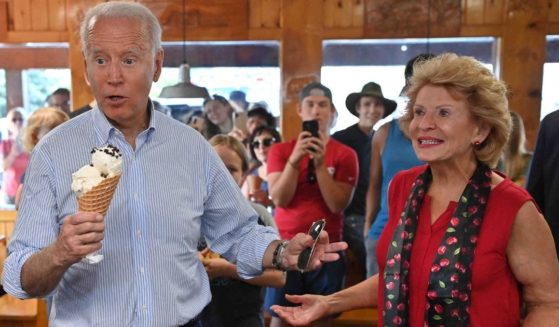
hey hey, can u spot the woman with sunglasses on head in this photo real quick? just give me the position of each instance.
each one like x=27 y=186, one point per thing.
x=15 y=157
x=255 y=187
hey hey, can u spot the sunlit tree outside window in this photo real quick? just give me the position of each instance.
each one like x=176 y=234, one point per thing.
x=39 y=83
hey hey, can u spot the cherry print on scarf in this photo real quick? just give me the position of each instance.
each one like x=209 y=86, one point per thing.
x=450 y=284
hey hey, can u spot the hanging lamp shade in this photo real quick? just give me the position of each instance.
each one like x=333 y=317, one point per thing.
x=184 y=88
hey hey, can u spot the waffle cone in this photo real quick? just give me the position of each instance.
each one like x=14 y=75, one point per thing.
x=99 y=197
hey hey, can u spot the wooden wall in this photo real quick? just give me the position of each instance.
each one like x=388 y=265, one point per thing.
x=302 y=25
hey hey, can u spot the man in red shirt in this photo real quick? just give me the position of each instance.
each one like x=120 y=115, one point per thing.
x=310 y=178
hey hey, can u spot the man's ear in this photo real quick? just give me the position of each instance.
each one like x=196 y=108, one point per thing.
x=158 y=64
x=85 y=71
x=333 y=116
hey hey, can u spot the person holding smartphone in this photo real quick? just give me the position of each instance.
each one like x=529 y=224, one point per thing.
x=310 y=178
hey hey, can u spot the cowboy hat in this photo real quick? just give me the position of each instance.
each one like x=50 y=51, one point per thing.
x=371 y=89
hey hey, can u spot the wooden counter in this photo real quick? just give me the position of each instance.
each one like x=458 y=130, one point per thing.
x=22 y=313
x=15 y=312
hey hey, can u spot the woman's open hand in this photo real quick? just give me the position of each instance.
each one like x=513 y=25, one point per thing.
x=312 y=307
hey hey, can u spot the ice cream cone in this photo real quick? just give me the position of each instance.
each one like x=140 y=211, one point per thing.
x=94 y=189
x=99 y=197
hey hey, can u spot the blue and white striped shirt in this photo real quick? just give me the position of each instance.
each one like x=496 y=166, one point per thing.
x=173 y=188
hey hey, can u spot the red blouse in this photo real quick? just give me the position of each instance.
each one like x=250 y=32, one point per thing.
x=12 y=175
x=495 y=292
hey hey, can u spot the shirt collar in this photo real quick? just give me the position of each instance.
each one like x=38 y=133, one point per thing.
x=105 y=129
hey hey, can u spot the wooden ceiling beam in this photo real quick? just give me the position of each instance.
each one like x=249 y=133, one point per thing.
x=22 y=57
x=15 y=37
x=300 y=57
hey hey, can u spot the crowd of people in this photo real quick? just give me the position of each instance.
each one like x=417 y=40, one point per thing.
x=210 y=218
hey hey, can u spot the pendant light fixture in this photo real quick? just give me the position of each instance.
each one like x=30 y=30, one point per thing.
x=184 y=88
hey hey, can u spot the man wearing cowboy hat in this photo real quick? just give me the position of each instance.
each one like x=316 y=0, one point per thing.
x=369 y=106
x=392 y=152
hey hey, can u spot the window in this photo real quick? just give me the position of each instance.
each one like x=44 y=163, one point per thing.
x=550 y=97
x=349 y=64
x=259 y=83
x=222 y=67
x=39 y=83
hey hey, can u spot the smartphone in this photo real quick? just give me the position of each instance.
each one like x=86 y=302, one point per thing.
x=311 y=126
x=305 y=256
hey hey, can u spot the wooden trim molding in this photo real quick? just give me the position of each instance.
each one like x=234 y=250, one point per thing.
x=20 y=57
x=35 y=36
x=552 y=28
x=3 y=21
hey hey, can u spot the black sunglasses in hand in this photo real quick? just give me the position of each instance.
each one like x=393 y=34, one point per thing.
x=305 y=256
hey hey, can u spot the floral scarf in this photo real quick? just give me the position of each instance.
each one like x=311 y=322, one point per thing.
x=450 y=285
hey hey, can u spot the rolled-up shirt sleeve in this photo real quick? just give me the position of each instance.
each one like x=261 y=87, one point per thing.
x=230 y=224
x=11 y=278
x=252 y=249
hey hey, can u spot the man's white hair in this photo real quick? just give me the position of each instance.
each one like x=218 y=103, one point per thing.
x=117 y=9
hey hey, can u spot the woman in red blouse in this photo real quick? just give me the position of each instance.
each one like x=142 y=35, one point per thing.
x=14 y=156
x=464 y=246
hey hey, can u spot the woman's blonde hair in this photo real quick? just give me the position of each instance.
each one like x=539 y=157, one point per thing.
x=485 y=95
x=232 y=143
x=41 y=118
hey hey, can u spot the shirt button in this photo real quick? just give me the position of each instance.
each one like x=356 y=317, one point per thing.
x=142 y=270
x=135 y=196
x=139 y=233
x=144 y=307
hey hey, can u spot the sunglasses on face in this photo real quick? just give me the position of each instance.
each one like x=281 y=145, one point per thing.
x=17 y=120
x=265 y=143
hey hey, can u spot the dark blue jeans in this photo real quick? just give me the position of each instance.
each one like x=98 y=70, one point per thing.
x=353 y=235
x=372 y=264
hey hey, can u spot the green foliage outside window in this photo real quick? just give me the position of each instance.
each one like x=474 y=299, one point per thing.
x=42 y=82
x=37 y=85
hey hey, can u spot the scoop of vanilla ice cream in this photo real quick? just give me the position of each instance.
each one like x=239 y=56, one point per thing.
x=85 y=178
x=107 y=160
